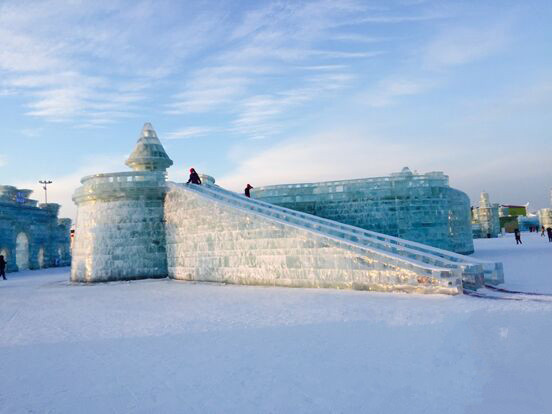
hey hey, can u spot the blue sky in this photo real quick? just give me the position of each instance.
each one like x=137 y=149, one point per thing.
x=274 y=92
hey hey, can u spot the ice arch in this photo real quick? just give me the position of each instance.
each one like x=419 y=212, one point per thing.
x=22 y=251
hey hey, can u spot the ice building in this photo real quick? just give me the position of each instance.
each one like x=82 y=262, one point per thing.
x=31 y=235
x=133 y=225
x=417 y=207
x=485 y=220
x=545 y=215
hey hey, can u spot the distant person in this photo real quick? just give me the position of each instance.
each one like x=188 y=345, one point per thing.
x=542 y=231
x=549 y=232
x=248 y=190
x=2 y=267
x=194 y=177
x=517 y=234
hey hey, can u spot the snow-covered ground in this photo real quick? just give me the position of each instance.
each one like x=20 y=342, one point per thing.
x=165 y=346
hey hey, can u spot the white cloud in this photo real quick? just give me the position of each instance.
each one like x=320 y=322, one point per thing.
x=462 y=45
x=341 y=154
x=388 y=90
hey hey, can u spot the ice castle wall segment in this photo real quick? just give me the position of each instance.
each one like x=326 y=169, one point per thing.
x=31 y=235
x=417 y=207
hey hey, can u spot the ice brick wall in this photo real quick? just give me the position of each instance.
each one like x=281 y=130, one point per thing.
x=209 y=240
x=120 y=233
x=417 y=207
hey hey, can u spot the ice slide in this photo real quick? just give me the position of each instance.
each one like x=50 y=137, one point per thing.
x=218 y=235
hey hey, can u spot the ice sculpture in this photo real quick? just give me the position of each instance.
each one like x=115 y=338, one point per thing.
x=417 y=207
x=545 y=215
x=135 y=225
x=485 y=220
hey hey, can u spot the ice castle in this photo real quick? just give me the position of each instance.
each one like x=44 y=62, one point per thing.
x=133 y=225
x=31 y=234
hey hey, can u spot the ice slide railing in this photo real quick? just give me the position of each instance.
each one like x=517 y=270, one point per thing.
x=493 y=271
x=471 y=273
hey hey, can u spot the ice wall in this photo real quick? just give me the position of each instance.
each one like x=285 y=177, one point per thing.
x=417 y=207
x=210 y=240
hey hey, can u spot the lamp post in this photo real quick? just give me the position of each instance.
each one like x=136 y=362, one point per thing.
x=44 y=186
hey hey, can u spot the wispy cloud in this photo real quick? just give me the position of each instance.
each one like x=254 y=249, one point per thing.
x=80 y=75
x=189 y=132
x=461 y=45
x=3 y=161
x=322 y=157
x=387 y=91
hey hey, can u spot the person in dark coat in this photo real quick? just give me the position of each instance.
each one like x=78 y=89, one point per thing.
x=518 y=236
x=2 y=267
x=549 y=232
x=542 y=231
x=194 y=177
x=248 y=190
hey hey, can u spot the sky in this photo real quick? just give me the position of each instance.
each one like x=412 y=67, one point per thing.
x=272 y=92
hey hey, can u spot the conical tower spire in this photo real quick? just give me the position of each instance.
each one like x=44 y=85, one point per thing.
x=149 y=154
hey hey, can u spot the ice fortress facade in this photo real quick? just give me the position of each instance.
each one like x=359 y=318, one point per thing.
x=135 y=225
x=417 y=207
x=31 y=235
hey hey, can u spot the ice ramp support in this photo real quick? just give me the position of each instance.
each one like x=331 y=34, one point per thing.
x=218 y=236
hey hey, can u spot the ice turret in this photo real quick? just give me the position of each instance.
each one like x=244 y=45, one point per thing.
x=149 y=154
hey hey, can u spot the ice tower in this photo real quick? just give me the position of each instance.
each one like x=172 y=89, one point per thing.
x=485 y=220
x=120 y=232
x=133 y=225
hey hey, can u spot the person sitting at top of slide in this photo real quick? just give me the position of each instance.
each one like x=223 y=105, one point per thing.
x=194 y=177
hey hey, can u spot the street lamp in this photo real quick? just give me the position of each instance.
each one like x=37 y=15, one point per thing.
x=44 y=186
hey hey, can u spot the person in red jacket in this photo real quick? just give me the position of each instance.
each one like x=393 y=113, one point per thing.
x=194 y=177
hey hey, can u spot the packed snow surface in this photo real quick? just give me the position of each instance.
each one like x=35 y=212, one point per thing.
x=167 y=346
